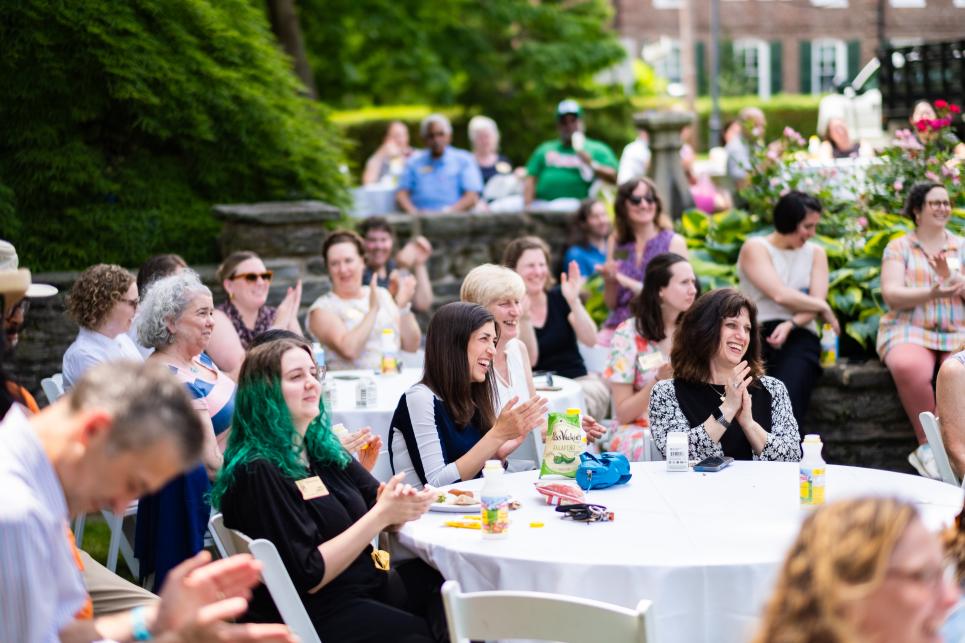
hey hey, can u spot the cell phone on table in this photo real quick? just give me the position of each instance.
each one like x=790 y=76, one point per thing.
x=713 y=463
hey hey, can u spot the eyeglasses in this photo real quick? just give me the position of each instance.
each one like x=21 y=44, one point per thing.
x=939 y=204
x=637 y=200
x=133 y=303
x=252 y=277
x=927 y=576
x=582 y=512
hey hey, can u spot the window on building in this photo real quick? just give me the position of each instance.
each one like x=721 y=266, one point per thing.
x=829 y=65
x=664 y=56
x=666 y=4
x=908 y=4
x=754 y=61
x=830 y=4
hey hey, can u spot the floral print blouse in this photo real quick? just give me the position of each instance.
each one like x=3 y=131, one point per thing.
x=628 y=361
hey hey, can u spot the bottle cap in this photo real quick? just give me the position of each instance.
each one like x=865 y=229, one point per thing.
x=812 y=437
x=573 y=411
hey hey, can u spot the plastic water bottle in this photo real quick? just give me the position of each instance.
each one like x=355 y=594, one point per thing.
x=365 y=393
x=813 y=470
x=829 y=346
x=329 y=394
x=319 y=360
x=494 y=502
x=390 y=354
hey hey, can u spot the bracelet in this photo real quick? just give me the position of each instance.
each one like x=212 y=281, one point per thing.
x=139 y=629
x=721 y=420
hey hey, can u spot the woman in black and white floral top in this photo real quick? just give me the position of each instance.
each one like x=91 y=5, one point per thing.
x=719 y=395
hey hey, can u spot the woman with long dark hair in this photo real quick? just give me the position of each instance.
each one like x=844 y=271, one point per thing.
x=287 y=479
x=719 y=394
x=640 y=349
x=447 y=426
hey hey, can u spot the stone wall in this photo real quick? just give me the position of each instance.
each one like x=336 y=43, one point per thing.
x=855 y=407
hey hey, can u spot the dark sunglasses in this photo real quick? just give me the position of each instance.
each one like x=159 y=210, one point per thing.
x=252 y=277
x=637 y=200
x=585 y=512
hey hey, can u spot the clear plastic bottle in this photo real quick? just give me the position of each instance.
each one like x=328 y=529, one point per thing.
x=494 y=501
x=813 y=469
x=829 y=346
x=320 y=360
x=390 y=353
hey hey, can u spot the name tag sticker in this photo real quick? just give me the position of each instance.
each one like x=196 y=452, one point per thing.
x=650 y=361
x=311 y=488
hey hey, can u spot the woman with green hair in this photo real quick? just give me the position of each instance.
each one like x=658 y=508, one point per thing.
x=286 y=478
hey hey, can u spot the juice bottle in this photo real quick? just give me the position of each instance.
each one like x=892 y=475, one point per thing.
x=829 y=346
x=390 y=354
x=813 y=470
x=494 y=501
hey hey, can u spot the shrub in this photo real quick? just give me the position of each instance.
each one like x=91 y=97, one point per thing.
x=125 y=121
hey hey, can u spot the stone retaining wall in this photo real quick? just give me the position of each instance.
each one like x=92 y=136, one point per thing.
x=855 y=407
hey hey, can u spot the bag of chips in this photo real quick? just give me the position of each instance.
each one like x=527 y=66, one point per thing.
x=565 y=442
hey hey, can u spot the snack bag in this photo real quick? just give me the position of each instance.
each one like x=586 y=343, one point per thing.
x=565 y=441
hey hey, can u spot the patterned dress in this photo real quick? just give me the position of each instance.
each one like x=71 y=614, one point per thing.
x=266 y=317
x=666 y=415
x=938 y=324
x=628 y=364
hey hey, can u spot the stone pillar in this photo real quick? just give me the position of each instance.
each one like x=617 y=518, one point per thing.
x=275 y=229
x=665 y=167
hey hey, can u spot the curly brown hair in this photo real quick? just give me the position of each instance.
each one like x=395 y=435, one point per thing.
x=698 y=335
x=95 y=292
x=840 y=556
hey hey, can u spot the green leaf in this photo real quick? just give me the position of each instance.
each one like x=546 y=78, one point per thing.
x=694 y=224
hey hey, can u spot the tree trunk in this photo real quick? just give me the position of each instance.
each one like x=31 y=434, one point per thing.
x=288 y=31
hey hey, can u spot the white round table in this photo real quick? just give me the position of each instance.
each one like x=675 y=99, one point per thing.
x=391 y=387
x=705 y=547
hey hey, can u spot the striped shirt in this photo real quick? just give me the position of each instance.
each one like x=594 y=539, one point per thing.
x=40 y=586
x=938 y=324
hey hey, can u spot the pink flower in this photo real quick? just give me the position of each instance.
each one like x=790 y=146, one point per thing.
x=898 y=185
x=863 y=222
x=941 y=103
x=954 y=109
x=947 y=171
x=931 y=176
x=921 y=125
x=785 y=191
x=775 y=181
x=773 y=154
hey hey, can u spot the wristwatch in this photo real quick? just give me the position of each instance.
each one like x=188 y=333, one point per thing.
x=721 y=420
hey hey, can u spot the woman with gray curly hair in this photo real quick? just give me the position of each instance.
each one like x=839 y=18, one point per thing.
x=102 y=301
x=176 y=320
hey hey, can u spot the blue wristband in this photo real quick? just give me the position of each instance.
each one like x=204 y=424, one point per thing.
x=138 y=625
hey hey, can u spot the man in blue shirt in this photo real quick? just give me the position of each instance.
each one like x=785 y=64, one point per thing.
x=439 y=178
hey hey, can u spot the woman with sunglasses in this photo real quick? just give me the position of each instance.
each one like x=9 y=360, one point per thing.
x=643 y=231
x=349 y=319
x=923 y=286
x=102 y=302
x=245 y=314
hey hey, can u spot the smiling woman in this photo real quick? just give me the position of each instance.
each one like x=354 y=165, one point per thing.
x=719 y=395
x=446 y=426
x=177 y=320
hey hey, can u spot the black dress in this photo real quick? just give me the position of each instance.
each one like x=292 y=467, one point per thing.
x=556 y=339
x=362 y=603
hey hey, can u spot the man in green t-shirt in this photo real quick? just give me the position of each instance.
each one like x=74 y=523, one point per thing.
x=565 y=168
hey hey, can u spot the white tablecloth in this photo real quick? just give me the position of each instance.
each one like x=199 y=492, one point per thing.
x=705 y=547
x=390 y=389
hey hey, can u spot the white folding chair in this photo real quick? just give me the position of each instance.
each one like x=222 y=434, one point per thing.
x=276 y=578
x=542 y=617
x=53 y=387
x=228 y=541
x=119 y=544
x=934 y=436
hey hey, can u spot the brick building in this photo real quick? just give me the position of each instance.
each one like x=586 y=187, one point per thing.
x=796 y=46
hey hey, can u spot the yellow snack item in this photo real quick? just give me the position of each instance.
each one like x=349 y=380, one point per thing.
x=535 y=525
x=464 y=524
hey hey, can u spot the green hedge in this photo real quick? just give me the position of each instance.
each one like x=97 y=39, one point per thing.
x=608 y=120
x=125 y=121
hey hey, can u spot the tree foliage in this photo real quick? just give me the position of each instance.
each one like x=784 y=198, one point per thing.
x=125 y=121
x=509 y=59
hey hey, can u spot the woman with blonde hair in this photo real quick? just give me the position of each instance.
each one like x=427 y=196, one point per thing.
x=860 y=570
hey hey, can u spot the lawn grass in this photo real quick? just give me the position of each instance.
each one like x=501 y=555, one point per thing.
x=97 y=538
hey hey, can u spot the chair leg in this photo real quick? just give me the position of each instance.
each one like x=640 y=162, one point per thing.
x=79 y=522
x=116 y=525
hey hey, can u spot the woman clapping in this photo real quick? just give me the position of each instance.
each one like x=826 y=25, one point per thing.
x=719 y=395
